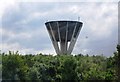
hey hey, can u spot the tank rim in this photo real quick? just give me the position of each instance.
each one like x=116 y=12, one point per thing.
x=64 y=21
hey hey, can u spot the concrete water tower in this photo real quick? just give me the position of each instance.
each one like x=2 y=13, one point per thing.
x=63 y=35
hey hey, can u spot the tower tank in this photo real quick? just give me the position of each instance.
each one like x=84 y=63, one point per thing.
x=62 y=33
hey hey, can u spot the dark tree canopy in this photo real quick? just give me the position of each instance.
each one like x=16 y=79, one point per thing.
x=44 y=68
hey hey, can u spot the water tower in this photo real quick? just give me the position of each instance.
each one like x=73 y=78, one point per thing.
x=63 y=35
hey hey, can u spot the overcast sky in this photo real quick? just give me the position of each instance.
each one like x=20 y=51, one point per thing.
x=23 y=26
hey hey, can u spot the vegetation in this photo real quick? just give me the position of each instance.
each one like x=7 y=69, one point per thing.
x=48 y=68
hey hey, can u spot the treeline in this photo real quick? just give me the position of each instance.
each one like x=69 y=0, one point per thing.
x=48 y=68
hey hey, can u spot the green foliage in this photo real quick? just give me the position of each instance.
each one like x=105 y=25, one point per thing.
x=117 y=62
x=13 y=67
x=44 y=68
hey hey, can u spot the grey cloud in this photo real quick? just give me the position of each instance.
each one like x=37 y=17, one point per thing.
x=93 y=15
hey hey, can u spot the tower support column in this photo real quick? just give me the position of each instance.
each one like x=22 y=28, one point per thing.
x=63 y=47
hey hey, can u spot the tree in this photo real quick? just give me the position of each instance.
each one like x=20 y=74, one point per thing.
x=58 y=68
x=13 y=67
x=117 y=58
x=68 y=68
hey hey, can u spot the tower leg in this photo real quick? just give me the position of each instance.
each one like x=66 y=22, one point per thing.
x=63 y=47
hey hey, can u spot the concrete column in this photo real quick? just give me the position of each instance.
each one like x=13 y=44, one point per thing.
x=55 y=44
x=63 y=47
